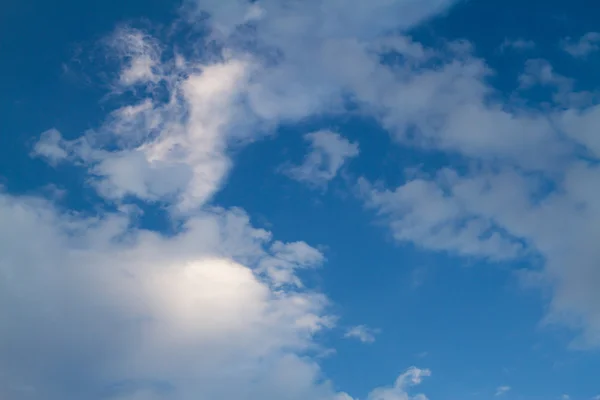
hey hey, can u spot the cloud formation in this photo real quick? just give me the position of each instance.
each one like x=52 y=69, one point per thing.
x=582 y=47
x=94 y=307
x=328 y=153
x=362 y=333
x=495 y=214
x=413 y=376
x=120 y=305
x=218 y=310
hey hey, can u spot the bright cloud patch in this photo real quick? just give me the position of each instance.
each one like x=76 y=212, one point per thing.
x=173 y=150
x=149 y=308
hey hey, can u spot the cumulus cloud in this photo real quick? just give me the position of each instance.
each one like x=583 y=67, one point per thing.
x=287 y=258
x=538 y=71
x=328 y=153
x=582 y=47
x=50 y=147
x=173 y=150
x=362 y=333
x=523 y=188
x=494 y=214
x=429 y=215
x=501 y=390
x=89 y=304
x=94 y=307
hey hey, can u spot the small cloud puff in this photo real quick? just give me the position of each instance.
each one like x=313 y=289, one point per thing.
x=329 y=152
x=362 y=333
x=587 y=44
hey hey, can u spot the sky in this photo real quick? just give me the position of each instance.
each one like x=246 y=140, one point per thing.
x=299 y=200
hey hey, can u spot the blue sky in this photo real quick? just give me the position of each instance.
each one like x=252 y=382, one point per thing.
x=328 y=200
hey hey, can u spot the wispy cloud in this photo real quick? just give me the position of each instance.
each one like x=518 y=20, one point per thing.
x=362 y=333
x=502 y=390
x=329 y=151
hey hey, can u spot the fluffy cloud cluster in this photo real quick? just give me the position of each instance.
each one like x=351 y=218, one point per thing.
x=526 y=189
x=88 y=303
x=168 y=150
x=93 y=307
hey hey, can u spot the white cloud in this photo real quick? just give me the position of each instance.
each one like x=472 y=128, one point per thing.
x=558 y=224
x=429 y=215
x=50 y=147
x=103 y=304
x=413 y=376
x=362 y=333
x=78 y=278
x=539 y=72
x=329 y=152
x=173 y=150
x=239 y=94
x=130 y=314
x=287 y=258
x=523 y=189
x=140 y=54
x=501 y=390
x=584 y=46
x=177 y=150
x=92 y=307
x=580 y=125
